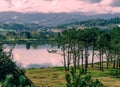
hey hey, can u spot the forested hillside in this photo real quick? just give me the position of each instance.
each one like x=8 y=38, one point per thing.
x=87 y=23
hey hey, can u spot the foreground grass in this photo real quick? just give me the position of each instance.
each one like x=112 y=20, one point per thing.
x=47 y=77
x=55 y=77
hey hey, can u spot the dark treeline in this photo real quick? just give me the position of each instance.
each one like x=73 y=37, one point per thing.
x=93 y=22
x=21 y=27
x=26 y=36
x=78 y=44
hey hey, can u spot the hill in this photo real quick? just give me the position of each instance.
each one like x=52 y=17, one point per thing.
x=50 y=19
x=31 y=21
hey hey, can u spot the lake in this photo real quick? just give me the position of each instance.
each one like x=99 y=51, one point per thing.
x=38 y=56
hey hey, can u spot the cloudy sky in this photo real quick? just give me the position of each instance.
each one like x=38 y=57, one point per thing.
x=87 y=6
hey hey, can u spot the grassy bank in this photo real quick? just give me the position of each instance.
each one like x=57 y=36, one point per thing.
x=47 y=77
x=54 y=77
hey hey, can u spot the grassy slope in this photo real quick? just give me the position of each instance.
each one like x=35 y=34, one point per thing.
x=54 y=77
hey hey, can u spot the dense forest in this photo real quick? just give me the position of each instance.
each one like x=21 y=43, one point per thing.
x=93 y=23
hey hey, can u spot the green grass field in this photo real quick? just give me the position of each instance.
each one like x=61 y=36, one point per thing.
x=55 y=77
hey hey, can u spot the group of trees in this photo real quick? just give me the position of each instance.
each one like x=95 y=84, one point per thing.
x=78 y=44
x=21 y=35
x=21 y=27
x=27 y=35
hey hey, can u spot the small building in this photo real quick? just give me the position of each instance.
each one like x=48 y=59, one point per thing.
x=56 y=31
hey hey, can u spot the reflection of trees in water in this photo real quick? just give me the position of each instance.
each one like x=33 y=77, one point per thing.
x=28 y=45
x=35 y=45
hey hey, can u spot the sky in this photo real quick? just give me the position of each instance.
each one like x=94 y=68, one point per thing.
x=46 y=6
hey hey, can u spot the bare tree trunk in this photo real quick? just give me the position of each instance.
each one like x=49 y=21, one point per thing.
x=93 y=56
x=119 y=62
x=119 y=66
x=100 y=53
x=74 y=55
x=64 y=56
x=78 y=63
x=114 y=62
x=108 y=56
x=82 y=57
x=68 y=59
x=102 y=60
x=107 y=63
x=86 y=57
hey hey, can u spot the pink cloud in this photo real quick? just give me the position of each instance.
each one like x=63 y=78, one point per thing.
x=103 y=6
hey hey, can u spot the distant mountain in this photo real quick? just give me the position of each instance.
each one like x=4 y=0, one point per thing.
x=49 y=19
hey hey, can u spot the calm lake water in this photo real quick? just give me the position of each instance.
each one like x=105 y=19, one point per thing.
x=36 y=57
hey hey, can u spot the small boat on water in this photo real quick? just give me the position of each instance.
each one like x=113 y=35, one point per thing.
x=52 y=51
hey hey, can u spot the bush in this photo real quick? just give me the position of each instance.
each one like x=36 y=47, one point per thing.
x=10 y=74
x=77 y=79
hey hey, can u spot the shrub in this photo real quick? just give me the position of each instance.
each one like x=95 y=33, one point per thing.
x=10 y=74
x=77 y=79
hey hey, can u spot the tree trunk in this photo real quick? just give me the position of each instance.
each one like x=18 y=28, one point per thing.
x=102 y=61
x=68 y=59
x=74 y=55
x=86 y=57
x=93 y=56
x=100 y=58
x=114 y=62
x=82 y=57
x=78 y=62
x=64 y=62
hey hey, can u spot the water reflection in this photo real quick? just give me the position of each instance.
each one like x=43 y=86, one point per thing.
x=28 y=45
x=38 y=57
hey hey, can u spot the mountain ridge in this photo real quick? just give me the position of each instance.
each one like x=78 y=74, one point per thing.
x=50 y=19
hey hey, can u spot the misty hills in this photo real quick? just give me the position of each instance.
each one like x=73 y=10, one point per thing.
x=38 y=20
x=46 y=19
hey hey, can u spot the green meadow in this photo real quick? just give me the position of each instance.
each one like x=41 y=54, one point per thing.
x=55 y=76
